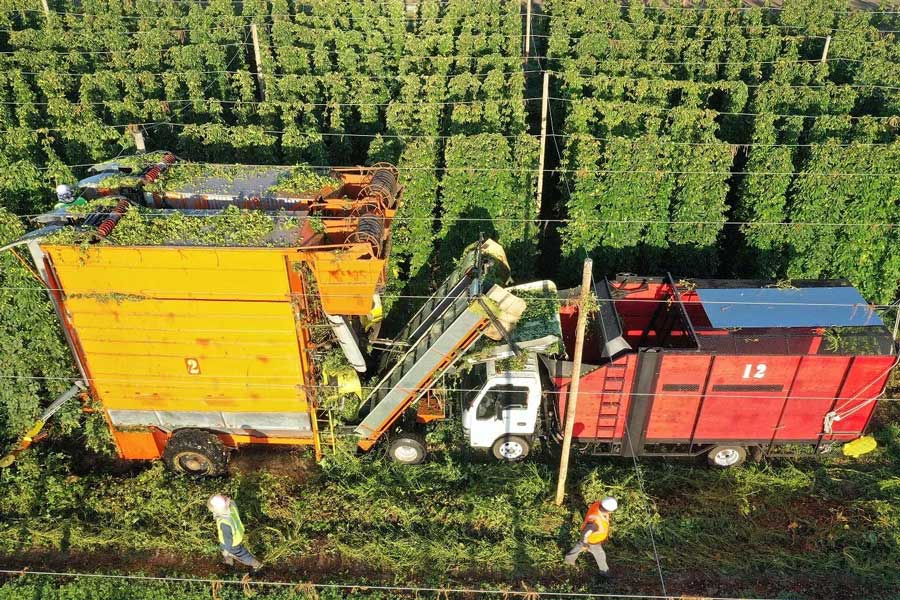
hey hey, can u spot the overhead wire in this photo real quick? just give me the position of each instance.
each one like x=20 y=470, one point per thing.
x=527 y=593
x=188 y=213
x=285 y=296
x=171 y=381
x=475 y=169
x=268 y=75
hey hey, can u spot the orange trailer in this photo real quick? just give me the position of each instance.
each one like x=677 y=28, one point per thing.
x=216 y=341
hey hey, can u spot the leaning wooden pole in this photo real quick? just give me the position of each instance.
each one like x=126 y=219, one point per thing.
x=572 y=402
x=545 y=106
x=257 y=58
x=528 y=28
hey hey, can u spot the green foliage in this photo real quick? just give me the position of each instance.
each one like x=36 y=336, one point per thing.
x=658 y=98
x=230 y=227
x=489 y=179
x=36 y=361
x=304 y=180
x=456 y=520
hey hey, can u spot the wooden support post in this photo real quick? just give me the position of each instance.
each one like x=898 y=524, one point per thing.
x=257 y=57
x=528 y=28
x=138 y=138
x=545 y=104
x=825 y=50
x=572 y=402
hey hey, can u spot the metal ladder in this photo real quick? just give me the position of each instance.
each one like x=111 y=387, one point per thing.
x=308 y=307
x=453 y=330
x=613 y=390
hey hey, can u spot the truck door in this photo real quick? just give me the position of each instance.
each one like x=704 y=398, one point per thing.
x=506 y=406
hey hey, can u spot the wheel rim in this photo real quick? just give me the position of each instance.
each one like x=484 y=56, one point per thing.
x=726 y=457
x=193 y=462
x=406 y=453
x=511 y=450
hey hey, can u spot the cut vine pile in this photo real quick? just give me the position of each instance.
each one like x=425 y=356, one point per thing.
x=231 y=226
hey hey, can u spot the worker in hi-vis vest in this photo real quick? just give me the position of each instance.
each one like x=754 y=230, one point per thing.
x=231 y=532
x=594 y=532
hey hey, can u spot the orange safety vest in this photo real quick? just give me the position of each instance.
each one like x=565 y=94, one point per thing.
x=601 y=520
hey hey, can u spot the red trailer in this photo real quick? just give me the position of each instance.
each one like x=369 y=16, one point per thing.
x=723 y=367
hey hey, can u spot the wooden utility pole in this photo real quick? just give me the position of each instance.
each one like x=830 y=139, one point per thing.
x=825 y=50
x=545 y=104
x=138 y=138
x=527 y=28
x=572 y=402
x=257 y=58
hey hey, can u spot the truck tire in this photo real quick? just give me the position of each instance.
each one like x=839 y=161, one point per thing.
x=196 y=452
x=511 y=448
x=726 y=457
x=407 y=449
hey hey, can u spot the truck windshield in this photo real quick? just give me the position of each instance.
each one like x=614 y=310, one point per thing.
x=471 y=383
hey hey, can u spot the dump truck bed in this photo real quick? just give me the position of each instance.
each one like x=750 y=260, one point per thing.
x=700 y=366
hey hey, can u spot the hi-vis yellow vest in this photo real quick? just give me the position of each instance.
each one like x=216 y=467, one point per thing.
x=233 y=520
x=601 y=520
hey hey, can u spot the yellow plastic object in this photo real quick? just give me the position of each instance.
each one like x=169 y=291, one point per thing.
x=345 y=378
x=859 y=446
x=495 y=250
x=375 y=315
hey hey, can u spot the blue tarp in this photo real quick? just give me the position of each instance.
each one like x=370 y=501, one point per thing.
x=787 y=307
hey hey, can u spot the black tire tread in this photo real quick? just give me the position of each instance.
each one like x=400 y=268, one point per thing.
x=201 y=442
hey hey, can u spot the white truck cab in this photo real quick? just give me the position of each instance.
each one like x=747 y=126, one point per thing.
x=500 y=407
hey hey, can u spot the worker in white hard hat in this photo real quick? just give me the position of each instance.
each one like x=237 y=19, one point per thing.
x=594 y=532
x=64 y=195
x=231 y=532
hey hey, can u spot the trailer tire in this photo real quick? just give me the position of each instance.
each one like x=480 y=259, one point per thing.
x=511 y=448
x=408 y=449
x=726 y=457
x=197 y=453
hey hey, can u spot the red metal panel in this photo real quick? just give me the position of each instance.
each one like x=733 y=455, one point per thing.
x=744 y=397
x=603 y=400
x=815 y=386
x=865 y=380
x=678 y=391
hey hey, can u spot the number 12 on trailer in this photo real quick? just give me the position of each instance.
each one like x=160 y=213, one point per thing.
x=755 y=371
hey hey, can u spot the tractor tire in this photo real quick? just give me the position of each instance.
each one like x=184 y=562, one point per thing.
x=511 y=448
x=408 y=448
x=196 y=453
x=726 y=457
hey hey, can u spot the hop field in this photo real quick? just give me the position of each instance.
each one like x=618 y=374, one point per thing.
x=710 y=139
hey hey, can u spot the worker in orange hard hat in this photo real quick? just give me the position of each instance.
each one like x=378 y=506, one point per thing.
x=595 y=531
x=231 y=532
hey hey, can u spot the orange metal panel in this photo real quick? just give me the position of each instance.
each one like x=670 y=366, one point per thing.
x=140 y=445
x=346 y=280
x=234 y=440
